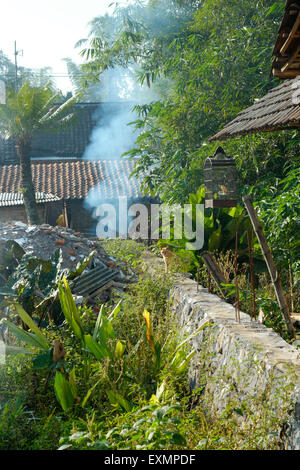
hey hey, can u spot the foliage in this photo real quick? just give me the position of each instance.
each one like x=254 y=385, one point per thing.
x=33 y=281
x=192 y=44
x=279 y=209
x=25 y=111
x=145 y=428
x=122 y=383
x=128 y=251
x=13 y=423
x=32 y=108
x=216 y=60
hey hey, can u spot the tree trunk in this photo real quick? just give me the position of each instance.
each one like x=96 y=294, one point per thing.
x=23 y=149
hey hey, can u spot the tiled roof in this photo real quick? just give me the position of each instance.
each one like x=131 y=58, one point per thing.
x=286 y=63
x=16 y=199
x=278 y=110
x=71 y=142
x=74 y=179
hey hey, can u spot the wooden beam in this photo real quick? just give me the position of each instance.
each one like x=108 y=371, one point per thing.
x=282 y=302
x=101 y=289
x=65 y=213
x=291 y=60
x=291 y=36
x=291 y=73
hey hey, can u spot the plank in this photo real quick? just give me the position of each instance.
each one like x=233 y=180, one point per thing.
x=281 y=299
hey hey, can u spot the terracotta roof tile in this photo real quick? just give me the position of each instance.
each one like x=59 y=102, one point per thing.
x=73 y=179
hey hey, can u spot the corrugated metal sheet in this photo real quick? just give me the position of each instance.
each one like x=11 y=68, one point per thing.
x=89 y=284
x=278 y=110
x=16 y=199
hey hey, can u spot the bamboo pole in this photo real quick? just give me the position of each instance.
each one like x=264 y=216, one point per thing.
x=216 y=273
x=65 y=214
x=237 y=289
x=283 y=305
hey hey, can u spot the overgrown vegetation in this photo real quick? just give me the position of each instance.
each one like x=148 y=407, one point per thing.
x=120 y=381
x=114 y=376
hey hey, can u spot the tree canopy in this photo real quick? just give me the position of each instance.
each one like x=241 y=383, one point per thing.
x=207 y=60
x=26 y=111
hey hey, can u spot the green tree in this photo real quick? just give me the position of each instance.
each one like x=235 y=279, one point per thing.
x=216 y=58
x=26 y=111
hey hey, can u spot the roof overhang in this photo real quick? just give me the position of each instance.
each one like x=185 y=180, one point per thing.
x=278 y=110
x=16 y=199
x=286 y=63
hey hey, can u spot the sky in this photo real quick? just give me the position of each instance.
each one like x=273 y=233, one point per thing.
x=46 y=31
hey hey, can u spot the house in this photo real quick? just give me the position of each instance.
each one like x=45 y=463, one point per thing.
x=64 y=181
x=12 y=206
x=71 y=142
x=72 y=186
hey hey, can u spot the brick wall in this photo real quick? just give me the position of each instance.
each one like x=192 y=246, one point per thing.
x=8 y=214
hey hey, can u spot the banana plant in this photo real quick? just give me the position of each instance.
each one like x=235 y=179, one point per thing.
x=34 y=338
x=220 y=229
x=101 y=344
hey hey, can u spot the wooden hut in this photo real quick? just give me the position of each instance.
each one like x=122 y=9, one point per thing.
x=279 y=109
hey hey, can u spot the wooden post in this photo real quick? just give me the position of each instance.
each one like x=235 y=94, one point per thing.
x=283 y=305
x=65 y=214
x=216 y=273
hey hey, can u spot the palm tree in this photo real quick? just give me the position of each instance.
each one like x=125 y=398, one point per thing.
x=26 y=111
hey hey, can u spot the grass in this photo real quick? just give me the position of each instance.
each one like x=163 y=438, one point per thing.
x=160 y=411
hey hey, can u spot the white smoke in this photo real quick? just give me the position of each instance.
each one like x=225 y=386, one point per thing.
x=113 y=135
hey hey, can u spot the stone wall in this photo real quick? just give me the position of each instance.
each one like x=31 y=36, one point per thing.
x=238 y=362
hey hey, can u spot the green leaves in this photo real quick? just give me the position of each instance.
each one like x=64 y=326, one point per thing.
x=24 y=336
x=32 y=325
x=81 y=266
x=43 y=360
x=36 y=339
x=118 y=400
x=64 y=391
x=32 y=108
x=98 y=349
x=69 y=309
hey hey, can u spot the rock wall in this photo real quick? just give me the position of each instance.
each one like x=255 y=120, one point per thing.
x=239 y=363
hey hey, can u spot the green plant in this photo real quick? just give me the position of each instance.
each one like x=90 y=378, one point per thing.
x=146 y=428
x=128 y=251
x=14 y=417
x=25 y=111
x=33 y=281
